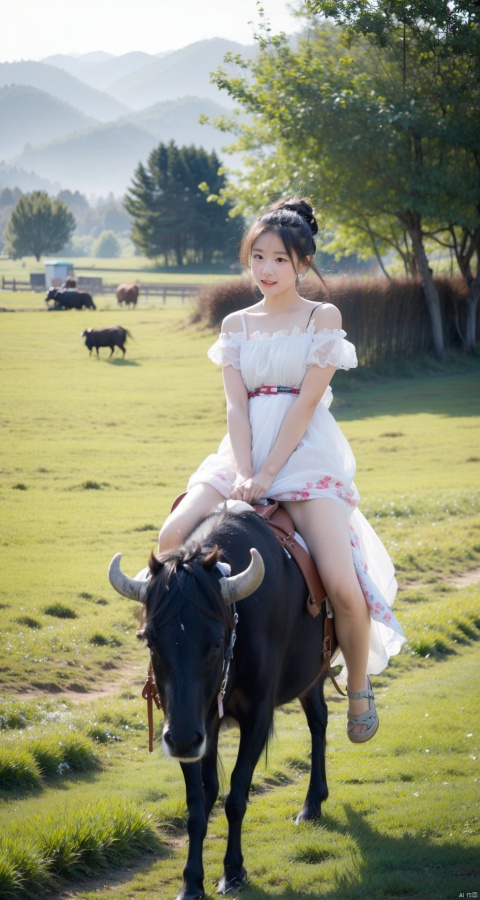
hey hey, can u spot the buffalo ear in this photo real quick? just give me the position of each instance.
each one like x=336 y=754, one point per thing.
x=155 y=564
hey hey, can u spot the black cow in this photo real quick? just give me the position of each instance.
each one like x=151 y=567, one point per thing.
x=69 y=299
x=106 y=337
x=188 y=627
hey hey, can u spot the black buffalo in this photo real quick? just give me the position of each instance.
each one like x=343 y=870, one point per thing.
x=69 y=299
x=106 y=337
x=188 y=627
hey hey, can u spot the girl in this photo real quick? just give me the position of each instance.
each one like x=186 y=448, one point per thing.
x=278 y=358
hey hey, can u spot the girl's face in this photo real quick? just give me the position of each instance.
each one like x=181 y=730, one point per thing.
x=272 y=269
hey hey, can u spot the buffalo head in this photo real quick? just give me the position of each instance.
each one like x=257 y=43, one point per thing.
x=187 y=623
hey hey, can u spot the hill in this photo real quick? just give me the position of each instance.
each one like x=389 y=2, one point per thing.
x=100 y=74
x=97 y=160
x=30 y=116
x=63 y=86
x=177 y=120
x=12 y=177
x=103 y=158
x=181 y=73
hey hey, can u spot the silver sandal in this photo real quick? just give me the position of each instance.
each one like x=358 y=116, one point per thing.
x=368 y=718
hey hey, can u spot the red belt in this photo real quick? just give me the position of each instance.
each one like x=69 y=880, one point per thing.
x=272 y=389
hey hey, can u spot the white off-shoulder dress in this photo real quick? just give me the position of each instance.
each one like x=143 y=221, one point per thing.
x=322 y=465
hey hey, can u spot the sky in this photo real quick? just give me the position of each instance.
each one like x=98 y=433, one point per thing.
x=34 y=29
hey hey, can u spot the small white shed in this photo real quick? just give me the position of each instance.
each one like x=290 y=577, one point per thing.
x=56 y=271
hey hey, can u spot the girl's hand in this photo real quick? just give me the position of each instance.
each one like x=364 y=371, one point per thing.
x=252 y=489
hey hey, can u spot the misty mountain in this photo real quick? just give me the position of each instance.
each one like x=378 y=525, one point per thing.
x=101 y=74
x=97 y=160
x=12 y=177
x=63 y=86
x=177 y=120
x=96 y=56
x=30 y=116
x=47 y=140
x=180 y=74
x=103 y=158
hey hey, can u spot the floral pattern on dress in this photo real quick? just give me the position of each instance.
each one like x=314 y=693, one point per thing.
x=379 y=608
x=327 y=483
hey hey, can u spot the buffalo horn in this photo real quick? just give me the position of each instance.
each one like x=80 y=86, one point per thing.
x=132 y=588
x=236 y=587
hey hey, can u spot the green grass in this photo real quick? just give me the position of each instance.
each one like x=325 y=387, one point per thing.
x=401 y=820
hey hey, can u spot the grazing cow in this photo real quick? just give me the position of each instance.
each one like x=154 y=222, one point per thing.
x=69 y=299
x=127 y=294
x=106 y=337
x=190 y=631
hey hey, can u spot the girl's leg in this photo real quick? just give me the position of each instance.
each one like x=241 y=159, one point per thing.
x=323 y=525
x=198 y=502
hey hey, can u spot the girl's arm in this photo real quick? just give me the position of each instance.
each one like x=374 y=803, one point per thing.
x=238 y=422
x=291 y=432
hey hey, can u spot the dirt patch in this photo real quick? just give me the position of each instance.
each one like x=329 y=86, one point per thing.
x=127 y=678
x=466 y=579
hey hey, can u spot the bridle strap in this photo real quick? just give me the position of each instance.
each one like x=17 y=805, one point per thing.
x=150 y=694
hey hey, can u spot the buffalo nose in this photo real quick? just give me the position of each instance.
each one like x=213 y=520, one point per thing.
x=184 y=748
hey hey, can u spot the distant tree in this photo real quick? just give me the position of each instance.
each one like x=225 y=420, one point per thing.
x=38 y=225
x=114 y=217
x=107 y=246
x=76 y=202
x=172 y=216
x=9 y=196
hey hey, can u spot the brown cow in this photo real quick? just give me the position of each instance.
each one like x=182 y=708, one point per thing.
x=127 y=294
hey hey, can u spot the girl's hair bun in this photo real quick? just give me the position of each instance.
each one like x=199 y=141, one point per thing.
x=303 y=208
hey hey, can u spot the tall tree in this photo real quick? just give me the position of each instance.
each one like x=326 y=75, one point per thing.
x=370 y=129
x=170 y=210
x=38 y=225
x=445 y=38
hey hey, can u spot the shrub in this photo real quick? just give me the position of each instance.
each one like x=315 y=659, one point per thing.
x=100 y=640
x=386 y=320
x=79 y=754
x=60 y=611
x=33 y=860
x=215 y=301
x=18 y=769
x=28 y=621
x=107 y=246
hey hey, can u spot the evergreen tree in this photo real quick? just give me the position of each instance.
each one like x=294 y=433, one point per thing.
x=171 y=214
x=38 y=225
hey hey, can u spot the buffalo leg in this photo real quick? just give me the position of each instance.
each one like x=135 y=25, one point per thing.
x=253 y=735
x=210 y=771
x=197 y=828
x=316 y=712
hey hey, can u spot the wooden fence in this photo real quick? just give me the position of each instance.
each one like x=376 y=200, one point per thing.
x=96 y=286
x=160 y=290
x=15 y=285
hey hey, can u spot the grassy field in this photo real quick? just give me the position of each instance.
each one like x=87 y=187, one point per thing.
x=93 y=451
